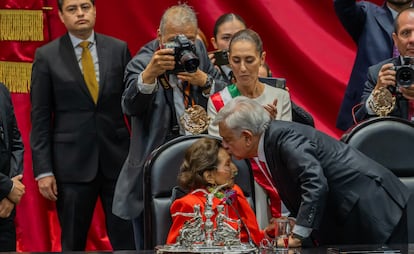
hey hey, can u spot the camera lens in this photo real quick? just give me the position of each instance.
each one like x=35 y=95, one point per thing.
x=405 y=76
x=189 y=60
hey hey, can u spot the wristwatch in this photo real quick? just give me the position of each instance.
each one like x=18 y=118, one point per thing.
x=207 y=86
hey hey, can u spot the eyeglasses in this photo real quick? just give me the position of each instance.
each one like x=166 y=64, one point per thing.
x=73 y=9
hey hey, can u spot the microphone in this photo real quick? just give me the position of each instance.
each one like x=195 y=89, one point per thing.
x=229 y=202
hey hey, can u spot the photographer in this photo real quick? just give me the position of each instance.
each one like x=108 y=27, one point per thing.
x=383 y=93
x=162 y=81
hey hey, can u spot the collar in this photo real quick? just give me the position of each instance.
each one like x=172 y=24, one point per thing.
x=394 y=13
x=75 y=40
x=260 y=149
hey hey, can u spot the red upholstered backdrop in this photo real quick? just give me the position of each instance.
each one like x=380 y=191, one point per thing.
x=305 y=44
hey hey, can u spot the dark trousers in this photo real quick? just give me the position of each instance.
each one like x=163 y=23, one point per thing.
x=75 y=206
x=8 y=233
x=138 y=224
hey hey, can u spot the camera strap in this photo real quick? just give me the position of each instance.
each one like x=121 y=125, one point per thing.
x=168 y=92
x=186 y=90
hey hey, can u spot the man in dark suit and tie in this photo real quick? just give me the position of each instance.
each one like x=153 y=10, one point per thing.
x=11 y=170
x=370 y=26
x=79 y=137
x=337 y=194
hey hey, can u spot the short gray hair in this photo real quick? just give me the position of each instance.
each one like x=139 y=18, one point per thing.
x=178 y=15
x=242 y=113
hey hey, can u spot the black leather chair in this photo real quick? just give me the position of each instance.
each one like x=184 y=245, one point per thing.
x=389 y=141
x=160 y=186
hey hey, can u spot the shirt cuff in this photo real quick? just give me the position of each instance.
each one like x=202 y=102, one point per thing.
x=302 y=231
x=145 y=88
x=43 y=175
x=369 y=110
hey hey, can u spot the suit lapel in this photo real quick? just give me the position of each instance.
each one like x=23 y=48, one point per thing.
x=104 y=57
x=68 y=53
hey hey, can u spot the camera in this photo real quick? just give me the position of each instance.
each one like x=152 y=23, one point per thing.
x=184 y=52
x=405 y=73
x=222 y=57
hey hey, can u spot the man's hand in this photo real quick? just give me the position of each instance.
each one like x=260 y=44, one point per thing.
x=293 y=242
x=48 y=188
x=161 y=61
x=407 y=92
x=198 y=78
x=6 y=207
x=18 y=189
x=386 y=76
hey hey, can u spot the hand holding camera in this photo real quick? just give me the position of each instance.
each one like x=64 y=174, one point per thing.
x=184 y=53
x=404 y=77
x=219 y=57
x=163 y=60
x=173 y=57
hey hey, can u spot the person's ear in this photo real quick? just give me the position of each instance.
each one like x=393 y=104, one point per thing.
x=209 y=177
x=248 y=137
x=61 y=16
x=263 y=58
x=213 y=41
x=159 y=37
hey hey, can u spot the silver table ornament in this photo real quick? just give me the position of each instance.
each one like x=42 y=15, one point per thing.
x=200 y=236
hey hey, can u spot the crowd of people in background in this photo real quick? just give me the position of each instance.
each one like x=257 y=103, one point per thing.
x=86 y=90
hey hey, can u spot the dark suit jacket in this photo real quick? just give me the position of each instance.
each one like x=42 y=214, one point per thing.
x=401 y=106
x=322 y=181
x=371 y=27
x=11 y=144
x=71 y=136
x=150 y=123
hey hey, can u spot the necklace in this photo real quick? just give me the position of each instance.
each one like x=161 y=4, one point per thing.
x=227 y=195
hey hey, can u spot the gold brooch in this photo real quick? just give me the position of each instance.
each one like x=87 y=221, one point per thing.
x=195 y=119
x=383 y=102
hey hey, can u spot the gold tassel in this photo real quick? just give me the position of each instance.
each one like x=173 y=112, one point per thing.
x=16 y=76
x=21 y=25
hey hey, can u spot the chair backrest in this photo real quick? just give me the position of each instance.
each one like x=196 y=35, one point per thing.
x=160 y=186
x=389 y=141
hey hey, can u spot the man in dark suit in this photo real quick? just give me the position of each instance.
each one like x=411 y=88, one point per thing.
x=382 y=76
x=11 y=170
x=155 y=99
x=336 y=193
x=370 y=26
x=79 y=137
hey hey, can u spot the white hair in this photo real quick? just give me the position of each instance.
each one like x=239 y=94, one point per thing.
x=242 y=113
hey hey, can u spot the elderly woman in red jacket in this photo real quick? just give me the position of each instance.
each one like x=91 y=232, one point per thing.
x=208 y=165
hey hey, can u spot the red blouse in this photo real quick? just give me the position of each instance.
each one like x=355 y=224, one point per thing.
x=240 y=203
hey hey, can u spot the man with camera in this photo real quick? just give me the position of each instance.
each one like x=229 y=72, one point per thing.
x=389 y=89
x=168 y=77
x=370 y=26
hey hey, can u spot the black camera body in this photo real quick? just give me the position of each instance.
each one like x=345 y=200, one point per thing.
x=186 y=59
x=404 y=75
x=222 y=57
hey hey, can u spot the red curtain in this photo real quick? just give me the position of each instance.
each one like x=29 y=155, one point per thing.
x=305 y=44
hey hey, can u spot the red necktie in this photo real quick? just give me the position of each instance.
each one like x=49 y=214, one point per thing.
x=264 y=179
x=411 y=110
